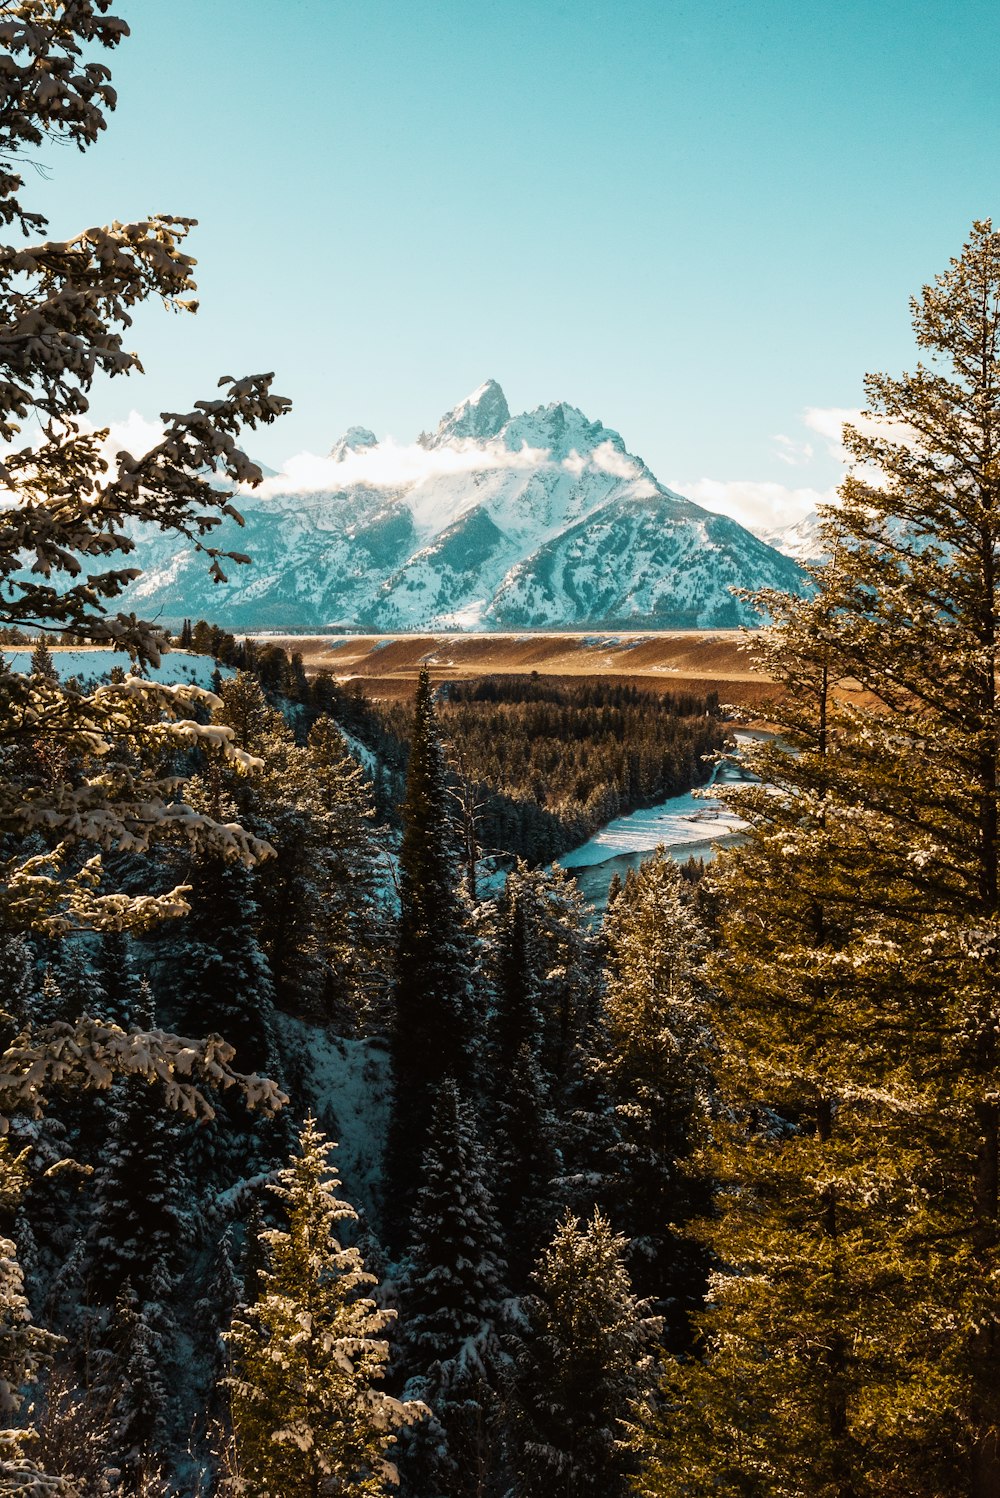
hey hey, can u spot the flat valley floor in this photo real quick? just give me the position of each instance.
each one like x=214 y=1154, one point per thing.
x=387 y=665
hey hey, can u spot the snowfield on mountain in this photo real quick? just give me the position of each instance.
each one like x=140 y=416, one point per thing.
x=537 y=521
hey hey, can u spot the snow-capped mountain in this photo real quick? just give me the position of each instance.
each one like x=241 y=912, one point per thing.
x=542 y=520
x=802 y=540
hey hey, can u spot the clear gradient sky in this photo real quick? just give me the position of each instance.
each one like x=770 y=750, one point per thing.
x=696 y=219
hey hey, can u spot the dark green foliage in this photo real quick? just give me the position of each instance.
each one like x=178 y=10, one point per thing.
x=450 y=1298
x=431 y=995
x=583 y=1360
x=18 y=983
x=137 y=1227
x=453 y=1283
x=550 y=762
x=655 y=1067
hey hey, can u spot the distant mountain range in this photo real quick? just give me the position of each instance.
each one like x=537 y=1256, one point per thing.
x=493 y=522
x=801 y=540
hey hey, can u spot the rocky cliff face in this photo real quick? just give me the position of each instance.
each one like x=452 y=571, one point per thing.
x=542 y=520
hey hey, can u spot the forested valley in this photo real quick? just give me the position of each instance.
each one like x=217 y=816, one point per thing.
x=701 y=1203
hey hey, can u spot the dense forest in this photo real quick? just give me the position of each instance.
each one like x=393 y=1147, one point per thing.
x=705 y=1201
x=535 y=767
x=539 y=766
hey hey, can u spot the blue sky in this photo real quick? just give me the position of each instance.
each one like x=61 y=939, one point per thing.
x=696 y=220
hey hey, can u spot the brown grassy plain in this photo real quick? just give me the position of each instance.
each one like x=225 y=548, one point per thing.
x=387 y=665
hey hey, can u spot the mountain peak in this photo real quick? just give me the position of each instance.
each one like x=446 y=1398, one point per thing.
x=481 y=415
x=354 y=440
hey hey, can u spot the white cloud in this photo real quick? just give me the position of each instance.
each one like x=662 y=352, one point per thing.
x=137 y=434
x=759 y=506
x=770 y=506
x=828 y=423
x=395 y=465
x=608 y=459
x=795 y=454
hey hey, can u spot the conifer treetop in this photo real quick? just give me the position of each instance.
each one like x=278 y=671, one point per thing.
x=307 y=1418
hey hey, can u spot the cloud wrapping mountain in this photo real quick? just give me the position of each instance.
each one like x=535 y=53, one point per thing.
x=536 y=521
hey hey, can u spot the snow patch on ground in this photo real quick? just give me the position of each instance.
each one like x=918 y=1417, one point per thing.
x=348 y=1086
x=177 y=667
x=360 y=752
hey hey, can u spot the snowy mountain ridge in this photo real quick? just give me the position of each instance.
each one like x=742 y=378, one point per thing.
x=542 y=520
x=802 y=540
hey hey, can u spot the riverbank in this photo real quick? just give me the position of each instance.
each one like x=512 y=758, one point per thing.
x=691 y=825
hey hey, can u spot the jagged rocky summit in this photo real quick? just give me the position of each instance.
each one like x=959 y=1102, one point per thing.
x=494 y=522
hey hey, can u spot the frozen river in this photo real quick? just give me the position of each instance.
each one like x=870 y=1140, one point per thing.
x=688 y=826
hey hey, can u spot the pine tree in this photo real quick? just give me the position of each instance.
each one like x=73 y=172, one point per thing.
x=138 y=1382
x=431 y=998
x=138 y=1221
x=564 y=959
x=450 y=1297
x=584 y=1360
x=655 y=1066
x=522 y=1128
x=548 y=1116
x=18 y=984
x=119 y=982
x=453 y=1283
x=219 y=980
x=42 y=665
x=857 y=1146
x=350 y=872
x=307 y=1418
x=80 y=988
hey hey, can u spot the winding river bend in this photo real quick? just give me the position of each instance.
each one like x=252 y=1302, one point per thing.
x=686 y=825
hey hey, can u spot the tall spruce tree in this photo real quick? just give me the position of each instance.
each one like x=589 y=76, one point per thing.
x=308 y=1418
x=451 y=1292
x=522 y=1127
x=138 y=1216
x=655 y=1067
x=432 y=1028
x=584 y=1360
x=98 y=780
x=853 y=1340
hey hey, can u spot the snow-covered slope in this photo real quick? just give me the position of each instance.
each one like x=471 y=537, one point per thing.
x=178 y=667
x=541 y=520
x=802 y=540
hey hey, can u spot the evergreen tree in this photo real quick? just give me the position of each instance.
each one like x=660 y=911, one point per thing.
x=138 y=1220
x=220 y=979
x=453 y=1283
x=18 y=984
x=118 y=980
x=431 y=997
x=450 y=1298
x=138 y=1381
x=307 y=1418
x=80 y=987
x=654 y=1066
x=584 y=1360
x=853 y=1338
x=522 y=1128
x=350 y=871
x=42 y=665
x=565 y=965
x=549 y=1116
x=67 y=302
